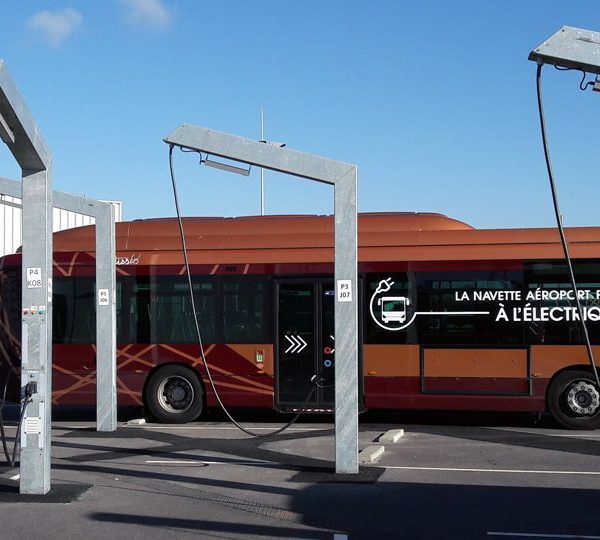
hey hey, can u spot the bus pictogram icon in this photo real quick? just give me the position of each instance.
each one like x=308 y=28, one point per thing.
x=393 y=308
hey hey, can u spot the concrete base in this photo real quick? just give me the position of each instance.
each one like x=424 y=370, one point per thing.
x=366 y=475
x=391 y=436
x=371 y=454
x=136 y=422
x=59 y=493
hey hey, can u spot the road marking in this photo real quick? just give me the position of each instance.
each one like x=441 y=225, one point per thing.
x=173 y=462
x=204 y=462
x=258 y=463
x=165 y=427
x=538 y=433
x=570 y=436
x=513 y=471
x=15 y=477
x=541 y=535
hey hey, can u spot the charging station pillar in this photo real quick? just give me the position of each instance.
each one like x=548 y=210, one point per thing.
x=36 y=332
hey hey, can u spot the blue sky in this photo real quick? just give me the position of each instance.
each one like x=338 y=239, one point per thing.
x=433 y=100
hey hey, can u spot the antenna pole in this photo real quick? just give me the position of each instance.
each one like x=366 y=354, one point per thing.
x=262 y=171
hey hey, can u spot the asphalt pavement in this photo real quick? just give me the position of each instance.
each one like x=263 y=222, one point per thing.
x=459 y=478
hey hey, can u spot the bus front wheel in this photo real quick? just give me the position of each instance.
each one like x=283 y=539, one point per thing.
x=173 y=395
x=574 y=400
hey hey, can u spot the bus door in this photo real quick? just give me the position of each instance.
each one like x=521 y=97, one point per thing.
x=305 y=344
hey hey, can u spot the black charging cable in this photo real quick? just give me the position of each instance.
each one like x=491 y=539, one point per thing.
x=313 y=379
x=30 y=389
x=559 y=221
x=2 y=430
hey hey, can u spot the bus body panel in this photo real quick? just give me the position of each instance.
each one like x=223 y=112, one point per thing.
x=409 y=359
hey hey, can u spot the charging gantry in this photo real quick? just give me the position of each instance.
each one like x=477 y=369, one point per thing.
x=22 y=136
x=343 y=177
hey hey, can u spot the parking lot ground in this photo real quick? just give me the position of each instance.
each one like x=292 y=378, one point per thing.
x=209 y=480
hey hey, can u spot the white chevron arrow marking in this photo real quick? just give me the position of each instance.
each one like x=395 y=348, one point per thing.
x=291 y=346
x=296 y=344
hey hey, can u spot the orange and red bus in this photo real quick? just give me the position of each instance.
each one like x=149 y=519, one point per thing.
x=450 y=317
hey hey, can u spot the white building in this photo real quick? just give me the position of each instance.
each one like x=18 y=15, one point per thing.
x=10 y=221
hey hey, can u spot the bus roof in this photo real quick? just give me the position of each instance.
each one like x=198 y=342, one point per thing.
x=251 y=231
x=309 y=238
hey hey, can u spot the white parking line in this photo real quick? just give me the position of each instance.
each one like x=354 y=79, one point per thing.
x=569 y=436
x=167 y=427
x=217 y=428
x=541 y=535
x=204 y=462
x=172 y=462
x=594 y=435
x=509 y=471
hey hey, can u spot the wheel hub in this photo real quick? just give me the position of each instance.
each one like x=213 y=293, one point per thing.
x=583 y=398
x=175 y=394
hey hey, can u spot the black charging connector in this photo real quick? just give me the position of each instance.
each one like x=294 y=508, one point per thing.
x=30 y=389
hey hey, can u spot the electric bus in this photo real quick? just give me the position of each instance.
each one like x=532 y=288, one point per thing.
x=450 y=317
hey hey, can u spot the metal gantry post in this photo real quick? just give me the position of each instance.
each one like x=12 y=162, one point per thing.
x=106 y=335
x=36 y=332
x=346 y=325
x=23 y=138
x=106 y=371
x=343 y=177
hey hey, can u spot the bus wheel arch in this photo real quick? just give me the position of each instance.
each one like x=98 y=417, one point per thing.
x=573 y=398
x=174 y=393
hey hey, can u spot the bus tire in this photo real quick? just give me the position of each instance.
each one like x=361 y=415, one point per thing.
x=174 y=395
x=574 y=399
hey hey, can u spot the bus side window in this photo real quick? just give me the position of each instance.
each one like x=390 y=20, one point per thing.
x=445 y=291
x=74 y=310
x=547 y=281
x=244 y=318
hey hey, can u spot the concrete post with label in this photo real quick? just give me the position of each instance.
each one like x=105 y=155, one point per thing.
x=23 y=138
x=343 y=177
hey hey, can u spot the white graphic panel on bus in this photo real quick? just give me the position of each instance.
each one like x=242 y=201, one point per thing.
x=390 y=312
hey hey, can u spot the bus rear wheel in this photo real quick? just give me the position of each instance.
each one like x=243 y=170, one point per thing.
x=173 y=395
x=574 y=400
